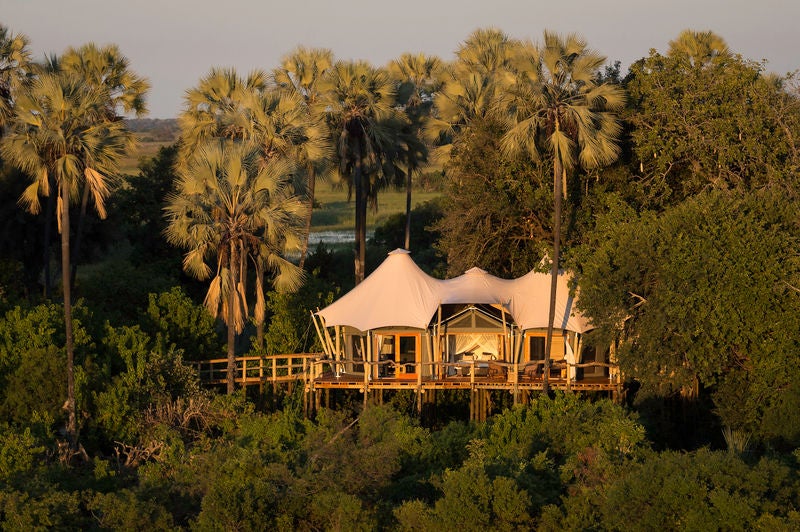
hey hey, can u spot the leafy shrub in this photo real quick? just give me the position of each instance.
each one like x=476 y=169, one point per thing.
x=19 y=452
x=290 y=329
x=704 y=490
x=124 y=510
x=33 y=363
x=471 y=500
x=182 y=322
x=152 y=375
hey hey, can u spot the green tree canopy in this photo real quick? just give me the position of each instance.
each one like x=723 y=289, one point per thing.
x=716 y=121
x=706 y=293
x=496 y=212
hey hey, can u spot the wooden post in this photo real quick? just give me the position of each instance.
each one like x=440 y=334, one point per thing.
x=261 y=375
x=363 y=350
x=505 y=333
x=439 y=349
x=328 y=339
x=306 y=388
x=367 y=367
x=319 y=333
x=472 y=404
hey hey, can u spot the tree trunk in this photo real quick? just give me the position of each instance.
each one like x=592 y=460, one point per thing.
x=48 y=227
x=231 y=322
x=311 y=186
x=72 y=425
x=408 y=211
x=558 y=175
x=79 y=236
x=361 y=217
x=260 y=323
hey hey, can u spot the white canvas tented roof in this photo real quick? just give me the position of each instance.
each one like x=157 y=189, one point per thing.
x=396 y=294
x=530 y=303
x=400 y=294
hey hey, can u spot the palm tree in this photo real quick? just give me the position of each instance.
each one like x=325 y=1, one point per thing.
x=698 y=48
x=231 y=208
x=15 y=69
x=469 y=87
x=358 y=103
x=107 y=70
x=226 y=106
x=416 y=76
x=59 y=137
x=555 y=105
x=301 y=72
x=216 y=108
x=279 y=125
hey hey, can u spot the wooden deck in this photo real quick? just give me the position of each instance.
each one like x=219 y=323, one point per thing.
x=316 y=372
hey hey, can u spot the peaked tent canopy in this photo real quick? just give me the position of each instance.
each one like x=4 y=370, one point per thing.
x=400 y=294
x=396 y=294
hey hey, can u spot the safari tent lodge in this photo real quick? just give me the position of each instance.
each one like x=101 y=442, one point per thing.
x=402 y=328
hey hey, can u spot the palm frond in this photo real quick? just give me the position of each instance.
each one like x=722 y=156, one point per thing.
x=30 y=198
x=213 y=296
x=98 y=186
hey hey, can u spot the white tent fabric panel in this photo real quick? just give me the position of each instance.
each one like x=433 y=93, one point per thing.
x=475 y=286
x=400 y=294
x=530 y=304
x=396 y=294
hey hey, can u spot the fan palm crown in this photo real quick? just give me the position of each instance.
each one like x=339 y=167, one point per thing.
x=230 y=209
x=555 y=105
x=60 y=138
x=365 y=125
x=15 y=70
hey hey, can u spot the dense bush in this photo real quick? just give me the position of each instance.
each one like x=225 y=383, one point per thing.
x=703 y=490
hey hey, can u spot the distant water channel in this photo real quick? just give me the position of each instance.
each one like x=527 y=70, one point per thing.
x=334 y=237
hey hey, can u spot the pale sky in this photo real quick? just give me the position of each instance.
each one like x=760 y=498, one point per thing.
x=174 y=43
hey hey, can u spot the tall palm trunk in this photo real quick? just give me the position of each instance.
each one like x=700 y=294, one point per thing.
x=231 y=321
x=72 y=428
x=361 y=216
x=48 y=227
x=259 y=322
x=558 y=176
x=79 y=236
x=408 y=211
x=310 y=185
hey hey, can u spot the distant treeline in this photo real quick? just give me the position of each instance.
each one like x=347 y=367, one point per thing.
x=154 y=129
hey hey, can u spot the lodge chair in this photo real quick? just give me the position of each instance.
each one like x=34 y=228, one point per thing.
x=497 y=369
x=532 y=370
x=558 y=369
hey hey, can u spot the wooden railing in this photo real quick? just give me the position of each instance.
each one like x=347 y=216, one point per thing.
x=308 y=367
x=255 y=369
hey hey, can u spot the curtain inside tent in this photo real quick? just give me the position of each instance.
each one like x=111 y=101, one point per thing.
x=481 y=346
